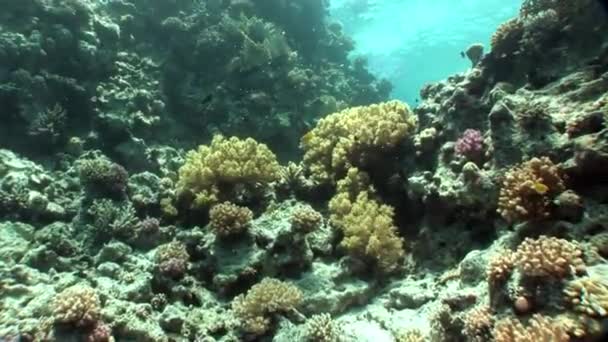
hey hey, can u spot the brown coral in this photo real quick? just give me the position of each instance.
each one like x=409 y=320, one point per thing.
x=78 y=305
x=528 y=190
x=506 y=38
x=267 y=297
x=500 y=267
x=540 y=328
x=588 y=295
x=549 y=257
x=322 y=328
x=478 y=324
x=229 y=219
x=305 y=219
x=172 y=259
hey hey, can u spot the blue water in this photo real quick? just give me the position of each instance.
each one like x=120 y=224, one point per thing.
x=413 y=42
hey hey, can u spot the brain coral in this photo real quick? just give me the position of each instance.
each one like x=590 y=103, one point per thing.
x=351 y=137
x=213 y=173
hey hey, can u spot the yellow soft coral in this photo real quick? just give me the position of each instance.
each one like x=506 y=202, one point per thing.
x=367 y=225
x=211 y=173
x=351 y=137
x=270 y=296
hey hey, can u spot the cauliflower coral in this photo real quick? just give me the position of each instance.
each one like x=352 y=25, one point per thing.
x=214 y=172
x=353 y=136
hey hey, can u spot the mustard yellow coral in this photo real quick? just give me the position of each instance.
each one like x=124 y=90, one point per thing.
x=263 y=299
x=367 y=225
x=212 y=172
x=351 y=137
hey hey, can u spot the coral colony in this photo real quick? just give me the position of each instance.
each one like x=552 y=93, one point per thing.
x=222 y=171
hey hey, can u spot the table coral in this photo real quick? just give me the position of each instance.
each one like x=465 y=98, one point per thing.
x=212 y=172
x=353 y=136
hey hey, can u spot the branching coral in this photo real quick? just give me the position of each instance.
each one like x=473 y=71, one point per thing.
x=78 y=305
x=229 y=219
x=500 y=267
x=213 y=173
x=528 y=190
x=268 y=297
x=172 y=259
x=478 y=324
x=103 y=176
x=322 y=328
x=353 y=136
x=588 y=295
x=112 y=219
x=549 y=257
x=539 y=329
x=506 y=38
x=305 y=219
x=410 y=335
x=368 y=228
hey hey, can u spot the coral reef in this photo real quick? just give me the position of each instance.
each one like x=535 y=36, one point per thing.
x=477 y=215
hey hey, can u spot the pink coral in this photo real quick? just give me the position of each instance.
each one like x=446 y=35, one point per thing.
x=470 y=144
x=100 y=333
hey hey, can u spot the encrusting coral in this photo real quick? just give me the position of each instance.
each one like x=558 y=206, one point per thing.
x=229 y=219
x=212 y=173
x=263 y=299
x=354 y=137
x=528 y=190
x=549 y=257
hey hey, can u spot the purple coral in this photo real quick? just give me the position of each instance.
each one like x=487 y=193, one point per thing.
x=470 y=144
x=100 y=333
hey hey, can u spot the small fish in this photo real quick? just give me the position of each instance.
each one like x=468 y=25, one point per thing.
x=540 y=188
x=462 y=54
x=306 y=138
